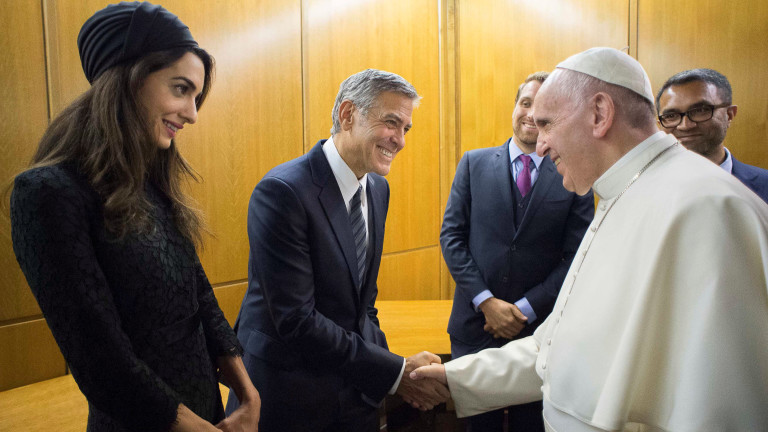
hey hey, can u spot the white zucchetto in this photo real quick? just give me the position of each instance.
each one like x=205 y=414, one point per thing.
x=612 y=66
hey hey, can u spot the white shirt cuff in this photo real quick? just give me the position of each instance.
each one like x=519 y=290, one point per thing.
x=397 y=382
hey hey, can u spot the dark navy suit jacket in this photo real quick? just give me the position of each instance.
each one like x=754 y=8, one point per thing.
x=753 y=177
x=483 y=250
x=308 y=331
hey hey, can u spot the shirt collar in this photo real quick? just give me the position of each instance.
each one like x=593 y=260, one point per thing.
x=514 y=152
x=347 y=180
x=727 y=164
x=613 y=181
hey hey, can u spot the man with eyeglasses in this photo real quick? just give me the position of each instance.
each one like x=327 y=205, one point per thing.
x=695 y=106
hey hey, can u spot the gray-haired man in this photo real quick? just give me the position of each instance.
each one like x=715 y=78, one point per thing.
x=308 y=323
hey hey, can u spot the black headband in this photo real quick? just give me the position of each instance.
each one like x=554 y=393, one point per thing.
x=126 y=31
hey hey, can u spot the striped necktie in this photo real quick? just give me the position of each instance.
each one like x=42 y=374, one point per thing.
x=357 y=222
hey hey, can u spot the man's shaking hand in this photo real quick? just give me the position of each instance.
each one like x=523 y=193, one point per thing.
x=421 y=393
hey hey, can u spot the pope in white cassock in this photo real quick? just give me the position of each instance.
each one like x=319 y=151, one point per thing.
x=662 y=321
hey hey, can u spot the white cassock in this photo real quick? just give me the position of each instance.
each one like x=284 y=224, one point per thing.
x=662 y=321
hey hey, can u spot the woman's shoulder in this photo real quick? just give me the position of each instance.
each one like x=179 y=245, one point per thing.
x=58 y=182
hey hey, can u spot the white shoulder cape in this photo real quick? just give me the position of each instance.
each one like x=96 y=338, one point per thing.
x=665 y=324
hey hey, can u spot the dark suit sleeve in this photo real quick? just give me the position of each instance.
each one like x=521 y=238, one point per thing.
x=373 y=313
x=754 y=178
x=542 y=296
x=454 y=236
x=278 y=226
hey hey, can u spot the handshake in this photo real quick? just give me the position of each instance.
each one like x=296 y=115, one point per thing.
x=423 y=384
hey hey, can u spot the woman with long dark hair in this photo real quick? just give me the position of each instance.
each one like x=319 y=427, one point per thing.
x=106 y=236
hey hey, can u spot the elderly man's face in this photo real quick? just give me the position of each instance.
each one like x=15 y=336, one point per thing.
x=564 y=137
x=705 y=137
x=378 y=136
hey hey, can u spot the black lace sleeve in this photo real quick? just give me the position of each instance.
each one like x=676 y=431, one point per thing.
x=52 y=218
x=219 y=335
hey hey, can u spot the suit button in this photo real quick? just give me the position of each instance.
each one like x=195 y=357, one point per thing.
x=549 y=341
x=544 y=366
x=512 y=249
x=504 y=279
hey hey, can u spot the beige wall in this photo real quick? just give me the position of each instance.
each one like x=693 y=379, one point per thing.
x=279 y=64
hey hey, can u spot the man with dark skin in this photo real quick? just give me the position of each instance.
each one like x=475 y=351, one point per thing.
x=696 y=107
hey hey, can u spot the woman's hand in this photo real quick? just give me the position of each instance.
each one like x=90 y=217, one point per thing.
x=187 y=421
x=245 y=418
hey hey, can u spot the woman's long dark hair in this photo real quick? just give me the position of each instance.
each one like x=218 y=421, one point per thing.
x=105 y=132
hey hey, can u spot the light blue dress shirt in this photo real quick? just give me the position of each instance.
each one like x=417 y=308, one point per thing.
x=727 y=164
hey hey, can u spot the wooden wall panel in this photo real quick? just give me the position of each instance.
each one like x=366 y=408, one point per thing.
x=252 y=120
x=25 y=115
x=449 y=125
x=230 y=297
x=28 y=353
x=344 y=37
x=411 y=275
x=500 y=43
x=719 y=36
x=66 y=80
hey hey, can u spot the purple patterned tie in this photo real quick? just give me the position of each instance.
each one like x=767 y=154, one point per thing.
x=524 y=176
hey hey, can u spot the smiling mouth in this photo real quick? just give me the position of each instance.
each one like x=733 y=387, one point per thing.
x=172 y=126
x=386 y=152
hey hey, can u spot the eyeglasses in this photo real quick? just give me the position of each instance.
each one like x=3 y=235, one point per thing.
x=697 y=115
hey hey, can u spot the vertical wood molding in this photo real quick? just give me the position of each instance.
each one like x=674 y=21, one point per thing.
x=46 y=54
x=450 y=147
x=307 y=138
x=632 y=16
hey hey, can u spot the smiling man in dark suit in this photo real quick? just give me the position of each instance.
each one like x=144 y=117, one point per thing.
x=308 y=324
x=509 y=235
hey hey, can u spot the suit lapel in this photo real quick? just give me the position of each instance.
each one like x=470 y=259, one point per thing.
x=334 y=207
x=376 y=213
x=501 y=174
x=740 y=173
x=539 y=192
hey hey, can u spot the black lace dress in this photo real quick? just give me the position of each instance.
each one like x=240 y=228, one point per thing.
x=136 y=319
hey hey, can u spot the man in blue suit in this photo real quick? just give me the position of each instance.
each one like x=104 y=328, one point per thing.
x=696 y=107
x=308 y=324
x=509 y=234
